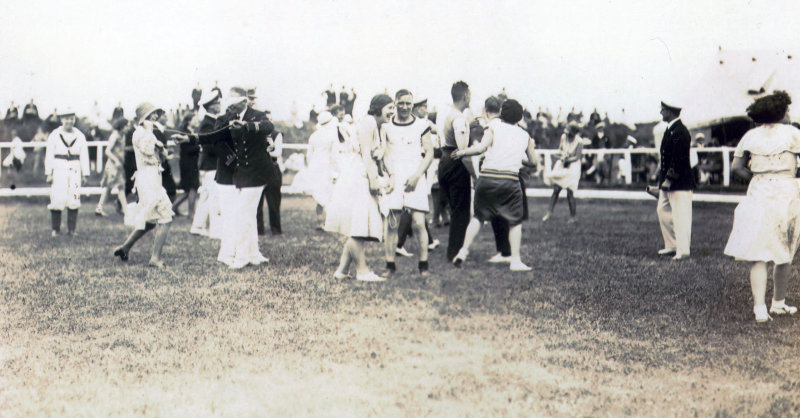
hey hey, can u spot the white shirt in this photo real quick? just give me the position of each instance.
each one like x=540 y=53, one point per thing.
x=75 y=145
x=403 y=143
x=509 y=143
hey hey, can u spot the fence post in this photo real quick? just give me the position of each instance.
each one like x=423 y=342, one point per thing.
x=628 y=167
x=547 y=164
x=99 y=165
x=726 y=167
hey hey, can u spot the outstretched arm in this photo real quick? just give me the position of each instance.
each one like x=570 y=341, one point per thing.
x=480 y=148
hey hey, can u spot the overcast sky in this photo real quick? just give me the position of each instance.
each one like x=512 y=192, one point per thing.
x=605 y=54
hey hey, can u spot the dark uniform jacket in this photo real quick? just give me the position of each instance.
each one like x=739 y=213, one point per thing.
x=243 y=160
x=208 y=154
x=675 y=164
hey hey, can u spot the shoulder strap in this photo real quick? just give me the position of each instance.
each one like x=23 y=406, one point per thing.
x=64 y=141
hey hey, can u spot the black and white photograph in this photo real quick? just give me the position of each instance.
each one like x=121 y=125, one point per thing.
x=350 y=208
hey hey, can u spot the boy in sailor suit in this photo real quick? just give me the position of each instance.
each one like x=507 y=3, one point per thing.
x=66 y=164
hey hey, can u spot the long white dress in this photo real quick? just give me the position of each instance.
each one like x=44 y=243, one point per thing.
x=317 y=178
x=154 y=205
x=766 y=224
x=566 y=177
x=352 y=210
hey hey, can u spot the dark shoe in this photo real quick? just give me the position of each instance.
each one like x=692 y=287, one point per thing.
x=121 y=253
x=460 y=257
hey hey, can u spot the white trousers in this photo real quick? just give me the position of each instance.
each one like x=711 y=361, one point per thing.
x=239 y=241
x=207 y=219
x=675 y=218
x=65 y=192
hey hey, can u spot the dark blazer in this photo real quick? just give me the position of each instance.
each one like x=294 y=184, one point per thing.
x=208 y=154
x=244 y=161
x=675 y=164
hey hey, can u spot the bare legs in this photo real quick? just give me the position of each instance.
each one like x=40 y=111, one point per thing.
x=573 y=208
x=191 y=196
x=390 y=225
x=420 y=230
x=352 y=253
x=123 y=202
x=758 y=285
x=162 y=230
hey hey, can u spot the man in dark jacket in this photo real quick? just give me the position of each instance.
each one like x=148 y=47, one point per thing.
x=676 y=182
x=242 y=173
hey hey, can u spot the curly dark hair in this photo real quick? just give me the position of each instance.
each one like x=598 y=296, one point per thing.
x=769 y=109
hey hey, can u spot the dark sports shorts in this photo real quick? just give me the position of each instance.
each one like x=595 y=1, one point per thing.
x=499 y=197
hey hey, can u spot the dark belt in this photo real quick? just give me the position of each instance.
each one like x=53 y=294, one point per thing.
x=67 y=157
x=449 y=148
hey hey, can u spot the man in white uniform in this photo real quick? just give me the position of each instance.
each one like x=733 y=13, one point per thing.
x=66 y=164
x=407 y=153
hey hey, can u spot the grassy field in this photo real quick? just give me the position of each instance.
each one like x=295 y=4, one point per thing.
x=601 y=327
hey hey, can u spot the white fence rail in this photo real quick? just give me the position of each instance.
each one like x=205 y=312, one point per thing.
x=547 y=155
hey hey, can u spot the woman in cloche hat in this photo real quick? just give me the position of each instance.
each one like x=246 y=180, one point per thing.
x=154 y=209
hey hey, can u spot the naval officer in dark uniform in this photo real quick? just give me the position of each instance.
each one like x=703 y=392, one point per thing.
x=242 y=172
x=676 y=182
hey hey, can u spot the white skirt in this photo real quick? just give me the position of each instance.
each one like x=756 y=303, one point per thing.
x=154 y=205
x=766 y=223
x=352 y=210
x=564 y=177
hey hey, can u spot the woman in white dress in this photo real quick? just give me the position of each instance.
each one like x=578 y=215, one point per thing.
x=766 y=224
x=566 y=172
x=154 y=209
x=353 y=207
x=319 y=174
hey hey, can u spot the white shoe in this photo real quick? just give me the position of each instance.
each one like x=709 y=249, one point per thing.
x=402 y=251
x=519 y=266
x=369 y=277
x=434 y=244
x=761 y=313
x=680 y=256
x=500 y=258
x=781 y=308
x=667 y=251
x=259 y=259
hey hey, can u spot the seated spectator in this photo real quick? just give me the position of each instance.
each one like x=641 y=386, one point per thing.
x=710 y=165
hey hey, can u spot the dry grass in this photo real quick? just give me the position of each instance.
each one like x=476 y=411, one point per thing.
x=600 y=327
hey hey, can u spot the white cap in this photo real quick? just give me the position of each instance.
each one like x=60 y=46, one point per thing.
x=324 y=118
x=232 y=100
x=673 y=102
